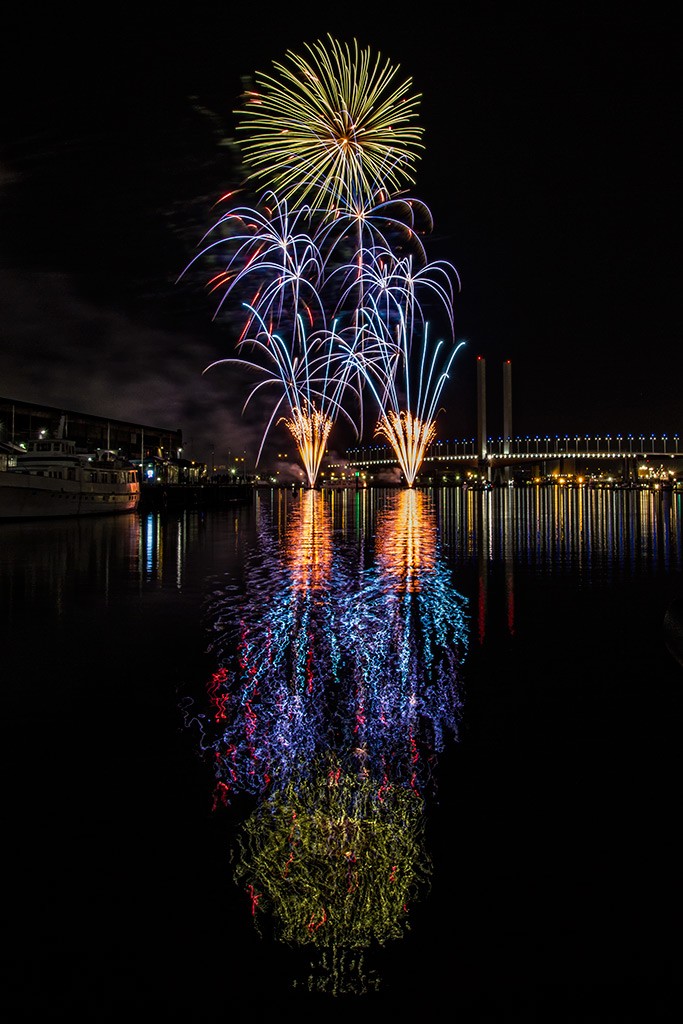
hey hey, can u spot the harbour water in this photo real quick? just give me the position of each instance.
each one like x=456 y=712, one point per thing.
x=346 y=753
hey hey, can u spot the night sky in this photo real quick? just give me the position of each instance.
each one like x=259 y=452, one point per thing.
x=550 y=166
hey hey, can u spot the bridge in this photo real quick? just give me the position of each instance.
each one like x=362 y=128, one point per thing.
x=625 y=456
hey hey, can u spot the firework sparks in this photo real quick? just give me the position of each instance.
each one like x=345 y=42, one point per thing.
x=411 y=432
x=407 y=410
x=390 y=290
x=376 y=221
x=332 y=139
x=310 y=429
x=333 y=123
x=271 y=246
x=409 y=437
x=312 y=377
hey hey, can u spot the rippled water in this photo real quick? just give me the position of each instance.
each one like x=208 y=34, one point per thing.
x=346 y=751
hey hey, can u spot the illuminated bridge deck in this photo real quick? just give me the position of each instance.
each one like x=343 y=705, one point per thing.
x=624 y=452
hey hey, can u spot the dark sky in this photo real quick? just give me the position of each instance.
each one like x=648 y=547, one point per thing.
x=551 y=169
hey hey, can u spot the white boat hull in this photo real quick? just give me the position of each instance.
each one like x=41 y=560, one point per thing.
x=49 y=478
x=24 y=496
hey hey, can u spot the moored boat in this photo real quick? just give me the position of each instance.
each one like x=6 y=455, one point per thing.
x=50 y=478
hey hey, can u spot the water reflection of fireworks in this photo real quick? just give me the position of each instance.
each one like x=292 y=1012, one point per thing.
x=314 y=656
x=338 y=684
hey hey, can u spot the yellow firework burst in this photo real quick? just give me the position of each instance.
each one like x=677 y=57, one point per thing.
x=336 y=123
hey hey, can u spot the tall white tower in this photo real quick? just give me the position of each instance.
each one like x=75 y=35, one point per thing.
x=481 y=407
x=507 y=406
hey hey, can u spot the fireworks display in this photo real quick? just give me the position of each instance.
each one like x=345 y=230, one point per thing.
x=407 y=392
x=329 y=267
x=411 y=432
x=310 y=378
x=333 y=123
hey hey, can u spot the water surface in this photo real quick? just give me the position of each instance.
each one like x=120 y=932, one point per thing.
x=346 y=751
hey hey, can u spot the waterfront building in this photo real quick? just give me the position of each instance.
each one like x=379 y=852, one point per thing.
x=21 y=421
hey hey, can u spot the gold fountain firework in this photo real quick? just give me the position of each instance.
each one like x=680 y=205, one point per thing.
x=409 y=436
x=310 y=429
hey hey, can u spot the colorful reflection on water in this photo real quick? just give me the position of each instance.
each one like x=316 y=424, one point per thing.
x=341 y=661
x=337 y=683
